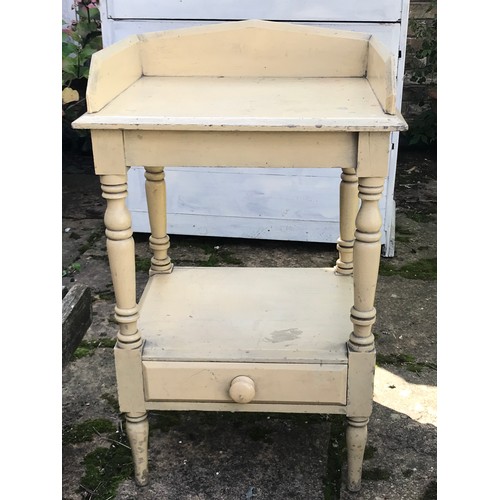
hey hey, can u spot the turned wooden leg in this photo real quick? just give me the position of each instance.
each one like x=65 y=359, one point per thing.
x=121 y=253
x=348 y=209
x=366 y=263
x=137 y=428
x=361 y=346
x=356 y=436
x=159 y=242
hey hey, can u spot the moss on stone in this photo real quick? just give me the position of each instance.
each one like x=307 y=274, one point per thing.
x=421 y=217
x=402 y=238
x=406 y=360
x=94 y=236
x=85 y=431
x=142 y=264
x=88 y=347
x=217 y=257
x=422 y=269
x=108 y=296
x=105 y=469
x=403 y=230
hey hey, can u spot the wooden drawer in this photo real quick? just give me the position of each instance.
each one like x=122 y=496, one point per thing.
x=274 y=383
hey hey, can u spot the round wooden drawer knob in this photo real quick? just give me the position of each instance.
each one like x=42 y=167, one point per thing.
x=242 y=389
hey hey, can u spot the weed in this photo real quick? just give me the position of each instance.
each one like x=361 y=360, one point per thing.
x=72 y=269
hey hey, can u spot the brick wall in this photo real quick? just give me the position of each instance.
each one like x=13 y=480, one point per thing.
x=419 y=96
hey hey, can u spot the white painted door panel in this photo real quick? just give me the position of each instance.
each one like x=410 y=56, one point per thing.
x=386 y=33
x=248 y=204
x=272 y=10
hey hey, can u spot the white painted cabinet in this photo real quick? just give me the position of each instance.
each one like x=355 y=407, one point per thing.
x=281 y=204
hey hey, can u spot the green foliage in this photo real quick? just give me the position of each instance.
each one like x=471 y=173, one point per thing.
x=80 y=41
x=88 y=347
x=423 y=130
x=106 y=468
x=72 y=269
x=426 y=32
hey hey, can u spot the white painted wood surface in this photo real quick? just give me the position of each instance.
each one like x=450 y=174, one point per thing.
x=387 y=19
x=247 y=314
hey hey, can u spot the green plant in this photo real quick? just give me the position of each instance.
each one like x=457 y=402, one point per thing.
x=79 y=41
x=72 y=269
x=426 y=32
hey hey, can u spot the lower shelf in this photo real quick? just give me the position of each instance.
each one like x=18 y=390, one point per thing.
x=244 y=315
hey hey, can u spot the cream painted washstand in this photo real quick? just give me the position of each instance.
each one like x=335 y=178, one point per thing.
x=244 y=94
